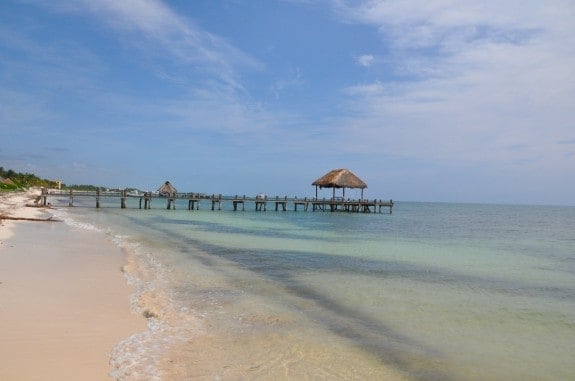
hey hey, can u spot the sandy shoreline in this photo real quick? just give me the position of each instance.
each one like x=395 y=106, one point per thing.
x=64 y=302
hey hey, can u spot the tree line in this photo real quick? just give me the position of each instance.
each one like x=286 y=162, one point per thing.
x=20 y=180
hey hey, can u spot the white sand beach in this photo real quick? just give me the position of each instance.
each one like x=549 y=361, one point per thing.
x=64 y=302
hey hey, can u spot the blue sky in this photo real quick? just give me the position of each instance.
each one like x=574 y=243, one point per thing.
x=436 y=100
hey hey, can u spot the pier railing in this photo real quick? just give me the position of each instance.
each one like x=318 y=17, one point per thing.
x=195 y=199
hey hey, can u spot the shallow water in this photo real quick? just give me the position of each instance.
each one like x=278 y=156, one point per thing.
x=434 y=291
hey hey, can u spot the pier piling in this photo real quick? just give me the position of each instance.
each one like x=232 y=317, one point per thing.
x=283 y=203
x=217 y=201
x=236 y=201
x=261 y=203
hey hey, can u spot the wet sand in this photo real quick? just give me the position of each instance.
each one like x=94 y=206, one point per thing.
x=64 y=302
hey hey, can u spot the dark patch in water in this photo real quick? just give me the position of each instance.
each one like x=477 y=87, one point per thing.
x=392 y=347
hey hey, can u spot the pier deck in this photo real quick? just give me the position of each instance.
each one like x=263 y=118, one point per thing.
x=194 y=201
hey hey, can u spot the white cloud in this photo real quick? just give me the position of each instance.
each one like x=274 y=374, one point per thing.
x=476 y=79
x=365 y=60
x=293 y=80
x=157 y=30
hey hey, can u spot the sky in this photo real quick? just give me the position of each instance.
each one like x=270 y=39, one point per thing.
x=438 y=100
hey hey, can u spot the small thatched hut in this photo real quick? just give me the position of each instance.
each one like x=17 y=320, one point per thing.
x=339 y=178
x=167 y=190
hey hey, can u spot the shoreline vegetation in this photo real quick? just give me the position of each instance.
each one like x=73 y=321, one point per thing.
x=11 y=180
x=65 y=303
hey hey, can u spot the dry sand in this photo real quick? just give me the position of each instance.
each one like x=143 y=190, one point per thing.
x=64 y=302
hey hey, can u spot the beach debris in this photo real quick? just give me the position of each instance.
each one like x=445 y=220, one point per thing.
x=149 y=314
x=47 y=206
x=49 y=219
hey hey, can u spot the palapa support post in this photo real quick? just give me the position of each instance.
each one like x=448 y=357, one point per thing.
x=171 y=201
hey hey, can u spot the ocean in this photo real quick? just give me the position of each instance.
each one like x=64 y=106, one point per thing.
x=434 y=291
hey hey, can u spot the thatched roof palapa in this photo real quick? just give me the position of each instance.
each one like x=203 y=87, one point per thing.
x=340 y=178
x=167 y=190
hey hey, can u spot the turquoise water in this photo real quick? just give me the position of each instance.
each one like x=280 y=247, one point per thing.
x=431 y=292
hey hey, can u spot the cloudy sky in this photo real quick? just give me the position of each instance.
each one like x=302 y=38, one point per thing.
x=434 y=100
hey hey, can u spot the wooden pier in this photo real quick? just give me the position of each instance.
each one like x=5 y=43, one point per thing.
x=335 y=204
